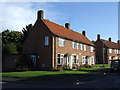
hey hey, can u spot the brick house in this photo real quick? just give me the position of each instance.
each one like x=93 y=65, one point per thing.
x=51 y=45
x=106 y=50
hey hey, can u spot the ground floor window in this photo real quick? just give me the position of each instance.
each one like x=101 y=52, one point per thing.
x=60 y=58
x=110 y=57
x=92 y=60
x=75 y=59
x=83 y=59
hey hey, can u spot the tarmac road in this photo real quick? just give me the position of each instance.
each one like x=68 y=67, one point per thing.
x=102 y=80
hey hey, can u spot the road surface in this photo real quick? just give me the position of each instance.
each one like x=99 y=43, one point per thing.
x=102 y=80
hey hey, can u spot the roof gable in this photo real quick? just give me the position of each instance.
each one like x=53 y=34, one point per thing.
x=111 y=44
x=67 y=33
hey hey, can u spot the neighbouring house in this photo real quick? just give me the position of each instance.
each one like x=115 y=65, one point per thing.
x=51 y=45
x=106 y=50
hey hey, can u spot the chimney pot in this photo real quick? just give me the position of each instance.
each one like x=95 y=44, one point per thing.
x=40 y=14
x=84 y=33
x=67 y=25
x=109 y=39
x=98 y=36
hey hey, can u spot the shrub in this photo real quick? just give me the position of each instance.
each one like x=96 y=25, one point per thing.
x=24 y=64
x=57 y=68
x=87 y=66
x=75 y=66
x=65 y=67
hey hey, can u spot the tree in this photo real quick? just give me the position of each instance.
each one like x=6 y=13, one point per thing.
x=10 y=48
x=93 y=41
x=11 y=42
x=26 y=32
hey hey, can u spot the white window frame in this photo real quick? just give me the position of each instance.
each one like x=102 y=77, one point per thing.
x=81 y=48
x=73 y=45
x=117 y=51
x=92 y=49
x=110 y=57
x=83 y=59
x=76 y=60
x=85 y=47
x=77 y=45
x=92 y=60
x=46 y=42
x=61 y=42
x=61 y=59
x=110 y=50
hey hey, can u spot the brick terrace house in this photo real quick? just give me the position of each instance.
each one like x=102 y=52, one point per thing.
x=106 y=50
x=50 y=45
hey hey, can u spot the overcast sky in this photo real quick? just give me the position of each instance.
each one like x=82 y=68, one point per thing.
x=93 y=17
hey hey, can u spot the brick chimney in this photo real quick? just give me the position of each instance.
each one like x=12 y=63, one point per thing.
x=118 y=41
x=84 y=33
x=109 y=39
x=40 y=14
x=98 y=36
x=67 y=25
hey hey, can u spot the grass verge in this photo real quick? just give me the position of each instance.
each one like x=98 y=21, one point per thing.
x=34 y=74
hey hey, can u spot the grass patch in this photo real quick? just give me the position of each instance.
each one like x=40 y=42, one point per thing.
x=33 y=74
x=101 y=65
x=97 y=67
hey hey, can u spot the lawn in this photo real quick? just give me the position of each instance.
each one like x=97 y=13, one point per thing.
x=33 y=74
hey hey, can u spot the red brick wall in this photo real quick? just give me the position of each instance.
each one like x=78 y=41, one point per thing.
x=9 y=62
x=35 y=44
x=68 y=49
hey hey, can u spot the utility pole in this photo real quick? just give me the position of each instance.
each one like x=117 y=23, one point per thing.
x=103 y=56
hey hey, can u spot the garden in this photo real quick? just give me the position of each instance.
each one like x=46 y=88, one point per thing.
x=61 y=71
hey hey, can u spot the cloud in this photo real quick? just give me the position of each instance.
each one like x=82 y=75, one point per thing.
x=16 y=15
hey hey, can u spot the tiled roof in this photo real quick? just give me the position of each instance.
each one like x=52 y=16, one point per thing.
x=67 y=33
x=111 y=44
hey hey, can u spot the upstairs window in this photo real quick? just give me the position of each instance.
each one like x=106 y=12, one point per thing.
x=73 y=45
x=46 y=40
x=84 y=47
x=92 y=49
x=61 y=42
x=110 y=50
x=81 y=47
x=77 y=46
x=117 y=52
